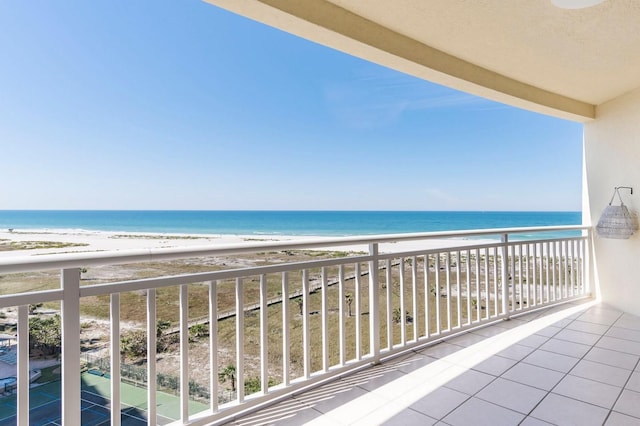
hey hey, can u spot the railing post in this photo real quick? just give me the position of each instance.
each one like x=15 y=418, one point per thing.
x=115 y=359
x=374 y=304
x=286 y=351
x=306 y=326
x=184 y=353
x=213 y=345
x=505 y=275
x=341 y=327
x=240 y=340
x=325 y=321
x=588 y=256
x=264 y=335
x=70 y=283
x=23 y=365
x=151 y=357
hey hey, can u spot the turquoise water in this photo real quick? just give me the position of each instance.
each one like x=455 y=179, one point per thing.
x=320 y=223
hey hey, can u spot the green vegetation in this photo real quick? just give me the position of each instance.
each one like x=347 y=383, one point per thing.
x=45 y=335
x=133 y=343
x=198 y=331
x=228 y=373
x=397 y=317
x=6 y=245
x=33 y=308
x=254 y=384
x=159 y=237
x=349 y=299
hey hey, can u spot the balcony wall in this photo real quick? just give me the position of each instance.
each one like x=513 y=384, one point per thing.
x=612 y=158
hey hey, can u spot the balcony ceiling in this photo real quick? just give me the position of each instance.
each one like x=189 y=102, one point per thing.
x=527 y=53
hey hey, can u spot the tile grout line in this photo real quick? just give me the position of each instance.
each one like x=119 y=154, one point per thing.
x=441 y=419
x=495 y=378
x=623 y=389
x=581 y=359
x=567 y=373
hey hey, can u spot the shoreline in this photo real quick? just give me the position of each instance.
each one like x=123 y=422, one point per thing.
x=91 y=241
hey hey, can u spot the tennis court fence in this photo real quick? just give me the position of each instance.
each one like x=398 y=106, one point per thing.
x=136 y=375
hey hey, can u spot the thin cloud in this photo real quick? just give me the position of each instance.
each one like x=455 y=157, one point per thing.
x=378 y=99
x=446 y=101
x=435 y=194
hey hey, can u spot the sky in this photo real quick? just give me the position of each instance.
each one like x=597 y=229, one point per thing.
x=164 y=104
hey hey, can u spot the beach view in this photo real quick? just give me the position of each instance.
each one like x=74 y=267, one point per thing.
x=323 y=212
x=314 y=298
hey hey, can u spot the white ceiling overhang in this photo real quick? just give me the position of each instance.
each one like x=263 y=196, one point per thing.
x=526 y=53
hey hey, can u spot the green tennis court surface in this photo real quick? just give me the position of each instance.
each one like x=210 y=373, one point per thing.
x=46 y=408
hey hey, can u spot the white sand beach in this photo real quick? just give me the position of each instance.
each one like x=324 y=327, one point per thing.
x=91 y=241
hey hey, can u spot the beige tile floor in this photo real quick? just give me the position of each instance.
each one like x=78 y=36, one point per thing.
x=576 y=364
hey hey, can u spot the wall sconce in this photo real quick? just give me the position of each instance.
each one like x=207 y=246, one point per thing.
x=616 y=221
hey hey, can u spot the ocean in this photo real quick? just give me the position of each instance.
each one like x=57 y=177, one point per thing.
x=250 y=222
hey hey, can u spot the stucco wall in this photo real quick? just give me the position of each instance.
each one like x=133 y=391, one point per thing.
x=612 y=158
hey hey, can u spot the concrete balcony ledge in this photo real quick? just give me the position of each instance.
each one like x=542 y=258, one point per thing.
x=570 y=364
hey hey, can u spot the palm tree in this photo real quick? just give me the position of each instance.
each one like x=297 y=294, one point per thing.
x=197 y=331
x=161 y=326
x=349 y=299
x=228 y=373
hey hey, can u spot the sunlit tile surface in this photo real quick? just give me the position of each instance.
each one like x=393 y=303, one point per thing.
x=567 y=365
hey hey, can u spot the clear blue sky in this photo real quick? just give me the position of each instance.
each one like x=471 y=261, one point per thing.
x=118 y=104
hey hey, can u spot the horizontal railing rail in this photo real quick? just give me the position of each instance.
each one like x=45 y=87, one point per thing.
x=291 y=328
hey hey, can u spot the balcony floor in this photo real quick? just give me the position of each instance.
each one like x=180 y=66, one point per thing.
x=576 y=364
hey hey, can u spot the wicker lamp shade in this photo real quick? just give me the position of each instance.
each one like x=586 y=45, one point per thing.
x=616 y=221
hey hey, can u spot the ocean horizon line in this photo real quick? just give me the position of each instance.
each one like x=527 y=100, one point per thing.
x=291 y=210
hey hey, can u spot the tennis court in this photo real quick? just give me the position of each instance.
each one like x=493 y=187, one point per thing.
x=46 y=407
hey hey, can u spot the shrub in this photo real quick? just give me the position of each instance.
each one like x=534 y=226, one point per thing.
x=45 y=335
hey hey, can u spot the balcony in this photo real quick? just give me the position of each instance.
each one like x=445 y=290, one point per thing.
x=460 y=321
x=569 y=365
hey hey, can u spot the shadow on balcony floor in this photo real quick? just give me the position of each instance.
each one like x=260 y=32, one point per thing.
x=573 y=364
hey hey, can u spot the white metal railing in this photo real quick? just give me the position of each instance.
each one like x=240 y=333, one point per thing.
x=353 y=310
